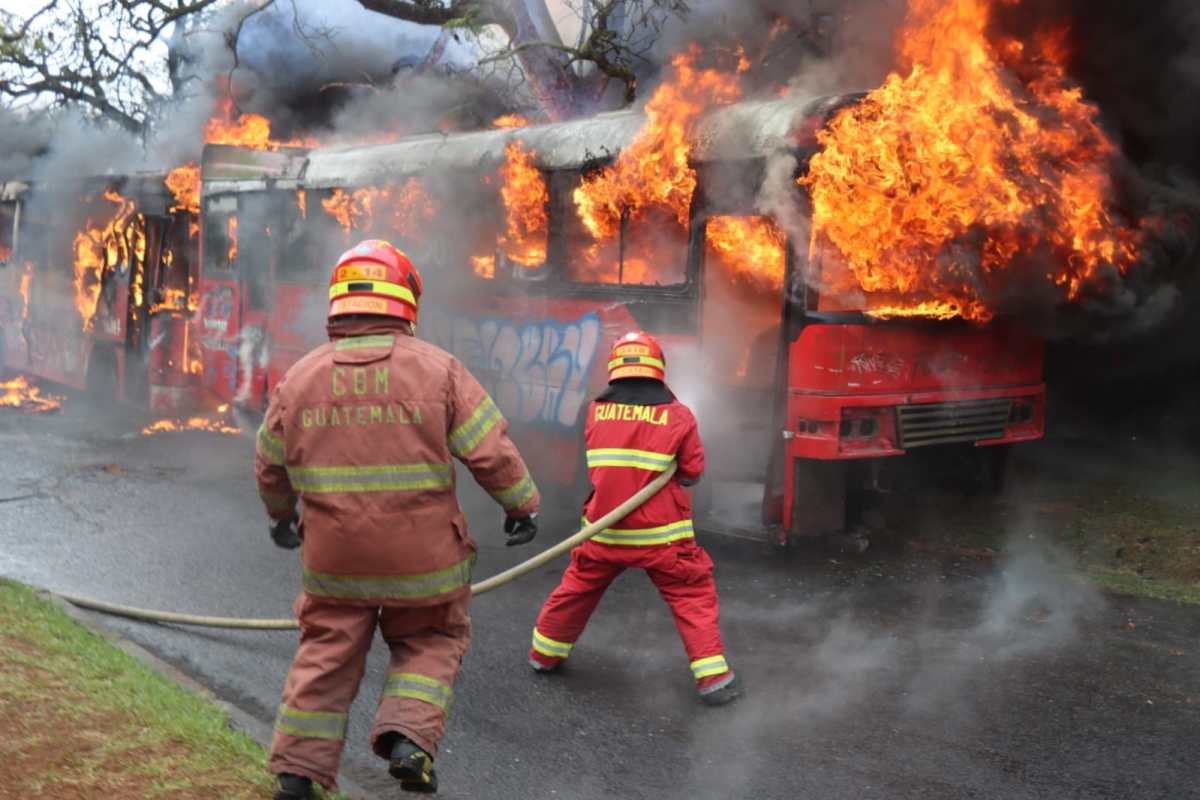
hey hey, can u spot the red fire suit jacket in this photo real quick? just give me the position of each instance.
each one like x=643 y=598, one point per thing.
x=628 y=445
x=361 y=431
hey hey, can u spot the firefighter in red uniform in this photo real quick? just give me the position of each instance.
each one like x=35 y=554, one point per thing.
x=361 y=431
x=634 y=431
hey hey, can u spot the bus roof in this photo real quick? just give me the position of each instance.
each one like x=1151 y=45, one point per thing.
x=740 y=131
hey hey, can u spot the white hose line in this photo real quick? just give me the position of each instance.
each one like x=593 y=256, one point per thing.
x=496 y=581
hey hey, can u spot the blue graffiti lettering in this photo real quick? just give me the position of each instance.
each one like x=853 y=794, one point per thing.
x=537 y=372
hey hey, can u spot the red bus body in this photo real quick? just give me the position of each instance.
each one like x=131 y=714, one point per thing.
x=788 y=397
x=134 y=347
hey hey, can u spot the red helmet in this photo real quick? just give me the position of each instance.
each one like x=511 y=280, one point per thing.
x=375 y=277
x=637 y=355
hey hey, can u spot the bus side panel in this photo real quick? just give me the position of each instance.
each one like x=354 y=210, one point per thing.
x=14 y=354
x=215 y=327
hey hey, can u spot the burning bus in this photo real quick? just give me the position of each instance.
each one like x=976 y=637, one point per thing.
x=95 y=284
x=540 y=244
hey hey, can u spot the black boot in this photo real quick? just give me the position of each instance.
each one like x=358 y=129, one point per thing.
x=726 y=694
x=413 y=767
x=293 y=787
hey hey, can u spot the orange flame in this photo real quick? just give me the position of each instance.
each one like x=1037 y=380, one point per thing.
x=184 y=183
x=484 y=266
x=246 y=130
x=654 y=170
x=26 y=279
x=753 y=249
x=108 y=247
x=409 y=208
x=18 y=393
x=511 y=121
x=525 y=198
x=945 y=179
x=198 y=423
x=233 y=240
x=302 y=203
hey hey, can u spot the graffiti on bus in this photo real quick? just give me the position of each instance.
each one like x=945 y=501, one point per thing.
x=536 y=370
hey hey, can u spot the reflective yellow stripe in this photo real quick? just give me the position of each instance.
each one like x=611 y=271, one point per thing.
x=277 y=502
x=419 y=687
x=638 y=459
x=356 y=342
x=705 y=667
x=516 y=495
x=376 y=478
x=269 y=446
x=627 y=360
x=663 y=534
x=466 y=437
x=549 y=647
x=388 y=587
x=311 y=724
x=377 y=287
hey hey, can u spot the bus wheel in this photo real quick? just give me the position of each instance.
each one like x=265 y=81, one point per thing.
x=818 y=499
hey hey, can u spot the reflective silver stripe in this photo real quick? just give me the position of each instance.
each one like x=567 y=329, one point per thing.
x=664 y=534
x=706 y=667
x=311 y=724
x=377 y=478
x=269 y=446
x=466 y=437
x=517 y=495
x=638 y=459
x=358 y=342
x=549 y=647
x=389 y=587
x=419 y=687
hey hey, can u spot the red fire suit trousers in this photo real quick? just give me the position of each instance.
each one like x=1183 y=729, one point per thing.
x=683 y=573
x=427 y=646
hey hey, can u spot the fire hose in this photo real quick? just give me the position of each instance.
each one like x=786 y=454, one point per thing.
x=494 y=582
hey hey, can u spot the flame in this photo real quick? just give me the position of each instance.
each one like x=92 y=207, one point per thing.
x=106 y=247
x=525 y=198
x=409 y=208
x=20 y=394
x=26 y=279
x=246 y=130
x=198 y=423
x=302 y=203
x=511 y=121
x=5 y=253
x=184 y=183
x=753 y=249
x=232 y=226
x=951 y=175
x=484 y=266
x=654 y=171
x=174 y=300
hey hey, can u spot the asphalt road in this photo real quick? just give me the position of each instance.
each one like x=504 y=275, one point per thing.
x=893 y=676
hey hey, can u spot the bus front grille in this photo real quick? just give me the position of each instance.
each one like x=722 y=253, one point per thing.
x=945 y=423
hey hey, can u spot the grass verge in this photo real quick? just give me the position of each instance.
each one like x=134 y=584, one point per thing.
x=83 y=719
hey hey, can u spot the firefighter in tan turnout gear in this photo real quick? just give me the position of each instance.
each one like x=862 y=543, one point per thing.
x=361 y=432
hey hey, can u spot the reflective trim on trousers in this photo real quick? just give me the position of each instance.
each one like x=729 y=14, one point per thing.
x=389 y=587
x=516 y=495
x=642 y=537
x=269 y=446
x=549 y=647
x=376 y=478
x=637 y=459
x=466 y=437
x=359 y=342
x=311 y=724
x=707 y=667
x=419 y=687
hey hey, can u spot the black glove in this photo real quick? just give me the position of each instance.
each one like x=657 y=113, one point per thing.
x=520 y=531
x=286 y=533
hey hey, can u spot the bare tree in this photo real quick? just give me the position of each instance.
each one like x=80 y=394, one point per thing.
x=104 y=55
